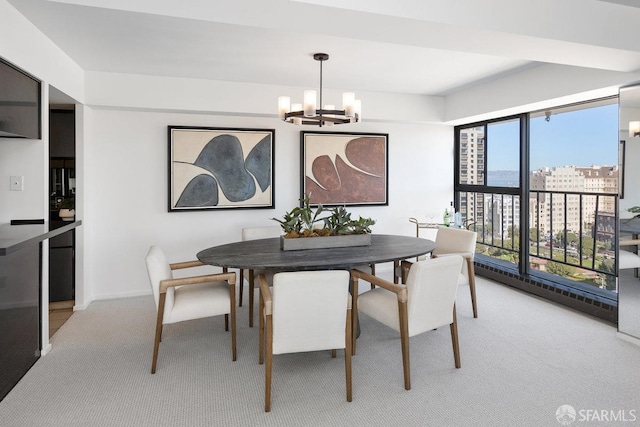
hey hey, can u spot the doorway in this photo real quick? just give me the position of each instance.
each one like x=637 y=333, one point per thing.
x=62 y=192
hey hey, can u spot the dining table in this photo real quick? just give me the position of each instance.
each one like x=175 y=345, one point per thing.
x=266 y=254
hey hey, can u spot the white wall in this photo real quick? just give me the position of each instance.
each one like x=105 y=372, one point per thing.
x=22 y=157
x=126 y=186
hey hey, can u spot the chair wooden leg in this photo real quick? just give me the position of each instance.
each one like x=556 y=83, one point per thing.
x=334 y=353
x=454 y=339
x=261 y=330
x=241 y=290
x=226 y=323
x=373 y=273
x=268 y=365
x=396 y=266
x=472 y=286
x=347 y=354
x=232 y=292
x=251 y=291
x=156 y=344
x=404 y=342
x=354 y=313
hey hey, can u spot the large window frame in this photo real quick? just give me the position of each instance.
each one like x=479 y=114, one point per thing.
x=521 y=191
x=523 y=267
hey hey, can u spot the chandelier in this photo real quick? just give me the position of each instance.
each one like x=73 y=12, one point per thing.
x=326 y=115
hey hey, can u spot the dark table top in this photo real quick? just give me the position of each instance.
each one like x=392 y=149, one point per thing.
x=265 y=254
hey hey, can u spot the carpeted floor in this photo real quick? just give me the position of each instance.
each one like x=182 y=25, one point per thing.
x=521 y=360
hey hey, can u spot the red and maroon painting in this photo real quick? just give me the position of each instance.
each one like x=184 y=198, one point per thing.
x=345 y=168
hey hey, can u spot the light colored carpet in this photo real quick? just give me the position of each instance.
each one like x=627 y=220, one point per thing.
x=521 y=359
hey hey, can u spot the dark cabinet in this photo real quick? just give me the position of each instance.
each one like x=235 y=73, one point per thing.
x=19 y=314
x=61 y=265
x=62 y=133
x=21 y=291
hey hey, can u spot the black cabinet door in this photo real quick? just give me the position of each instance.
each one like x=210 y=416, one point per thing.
x=61 y=274
x=19 y=315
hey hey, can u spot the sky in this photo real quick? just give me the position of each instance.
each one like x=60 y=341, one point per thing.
x=580 y=138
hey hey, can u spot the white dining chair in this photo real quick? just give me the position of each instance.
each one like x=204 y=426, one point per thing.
x=189 y=298
x=255 y=233
x=305 y=311
x=425 y=303
x=458 y=241
x=455 y=241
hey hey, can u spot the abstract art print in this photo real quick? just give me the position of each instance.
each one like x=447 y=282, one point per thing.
x=220 y=168
x=339 y=169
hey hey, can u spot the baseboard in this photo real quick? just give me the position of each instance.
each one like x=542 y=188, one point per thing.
x=46 y=350
x=80 y=307
x=628 y=338
x=121 y=295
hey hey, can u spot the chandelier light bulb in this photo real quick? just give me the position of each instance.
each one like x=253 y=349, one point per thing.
x=309 y=103
x=284 y=106
x=348 y=99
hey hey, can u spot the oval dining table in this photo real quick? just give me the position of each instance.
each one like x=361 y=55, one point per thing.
x=266 y=254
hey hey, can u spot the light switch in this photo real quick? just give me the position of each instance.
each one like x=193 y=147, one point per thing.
x=17 y=183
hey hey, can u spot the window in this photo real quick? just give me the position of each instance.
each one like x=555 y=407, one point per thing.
x=557 y=207
x=579 y=146
x=503 y=154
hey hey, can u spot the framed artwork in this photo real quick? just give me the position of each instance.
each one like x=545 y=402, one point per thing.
x=220 y=168
x=341 y=168
x=621 y=159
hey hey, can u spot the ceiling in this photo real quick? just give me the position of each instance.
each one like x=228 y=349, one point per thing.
x=426 y=47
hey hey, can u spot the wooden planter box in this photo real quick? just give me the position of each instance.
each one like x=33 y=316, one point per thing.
x=301 y=243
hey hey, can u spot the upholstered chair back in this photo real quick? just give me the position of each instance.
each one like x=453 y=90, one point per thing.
x=309 y=310
x=431 y=293
x=459 y=241
x=158 y=269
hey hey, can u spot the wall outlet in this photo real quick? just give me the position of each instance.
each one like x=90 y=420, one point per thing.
x=17 y=183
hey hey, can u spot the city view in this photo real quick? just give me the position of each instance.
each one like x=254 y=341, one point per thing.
x=573 y=182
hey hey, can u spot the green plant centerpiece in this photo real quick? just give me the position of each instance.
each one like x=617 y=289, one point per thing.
x=336 y=227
